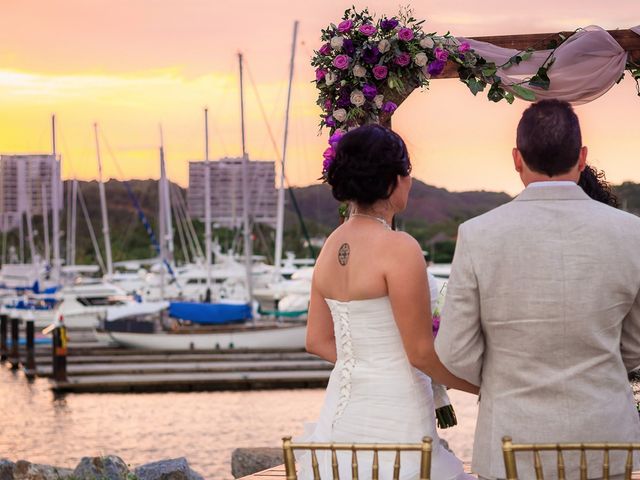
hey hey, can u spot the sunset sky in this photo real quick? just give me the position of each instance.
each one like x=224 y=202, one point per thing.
x=133 y=64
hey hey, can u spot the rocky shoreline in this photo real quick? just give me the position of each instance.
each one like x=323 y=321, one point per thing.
x=109 y=467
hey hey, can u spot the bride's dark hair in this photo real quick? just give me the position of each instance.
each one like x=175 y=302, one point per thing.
x=367 y=164
x=594 y=184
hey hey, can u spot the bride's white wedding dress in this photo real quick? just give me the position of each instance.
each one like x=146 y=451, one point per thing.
x=376 y=396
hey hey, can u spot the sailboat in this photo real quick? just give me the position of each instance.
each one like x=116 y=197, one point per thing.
x=255 y=334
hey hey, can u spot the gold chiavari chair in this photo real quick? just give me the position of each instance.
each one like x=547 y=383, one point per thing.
x=290 y=462
x=509 y=450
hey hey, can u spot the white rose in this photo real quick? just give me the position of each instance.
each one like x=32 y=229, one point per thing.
x=330 y=78
x=340 y=114
x=357 y=98
x=425 y=72
x=384 y=45
x=420 y=59
x=337 y=42
x=343 y=83
x=427 y=42
x=359 y=71
x=378 y=99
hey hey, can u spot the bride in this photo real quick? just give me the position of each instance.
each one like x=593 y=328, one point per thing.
x=369 y=314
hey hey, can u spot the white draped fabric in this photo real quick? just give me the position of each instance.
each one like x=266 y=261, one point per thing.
x=586 y=65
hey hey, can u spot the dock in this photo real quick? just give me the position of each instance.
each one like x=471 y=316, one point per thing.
x=93 y=368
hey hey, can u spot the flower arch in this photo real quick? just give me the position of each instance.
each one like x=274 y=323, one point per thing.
x=367 y=66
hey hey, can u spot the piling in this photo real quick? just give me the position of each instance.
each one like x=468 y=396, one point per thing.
x=14 y=355
x=30 y=367
x=4 y=319
x=60 y=353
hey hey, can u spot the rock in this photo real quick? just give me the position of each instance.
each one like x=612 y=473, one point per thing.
x=246 y=461
x=6 y=469
x=174 y=469
x=108 y=467
x=24 y=470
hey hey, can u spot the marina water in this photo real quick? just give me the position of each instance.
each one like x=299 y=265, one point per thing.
x=140 y=428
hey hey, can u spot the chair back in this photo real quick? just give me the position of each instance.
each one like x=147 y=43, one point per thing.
x=509 y=450
x=424 y=448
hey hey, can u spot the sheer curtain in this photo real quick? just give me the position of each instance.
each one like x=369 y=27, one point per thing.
x=586 y=65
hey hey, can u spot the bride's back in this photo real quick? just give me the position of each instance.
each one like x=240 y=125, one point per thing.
x=352 y=263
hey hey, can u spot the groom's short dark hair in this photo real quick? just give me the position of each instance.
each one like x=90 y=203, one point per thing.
x=549 y=137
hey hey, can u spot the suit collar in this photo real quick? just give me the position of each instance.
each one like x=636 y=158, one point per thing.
x=553 y=192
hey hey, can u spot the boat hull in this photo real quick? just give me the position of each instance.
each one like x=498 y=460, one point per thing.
x=284 y=337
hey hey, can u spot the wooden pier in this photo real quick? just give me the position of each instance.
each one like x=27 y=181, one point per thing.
x=88 y=367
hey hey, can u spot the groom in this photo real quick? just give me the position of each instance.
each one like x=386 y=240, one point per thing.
x=543 y=307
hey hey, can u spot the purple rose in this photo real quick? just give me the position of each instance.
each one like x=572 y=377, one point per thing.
x=369 y=91
x=344 y=98
x=345 y=26
x=371 y=55
x=436 y=324
x=464 y=47
x=388 y=24
x=329 y=154
x=441 y=54
x=335 y=138
x=405 y=34
x=325 y=49
x=328 y=105
x=436 y=67
x=389 y=107
x=330 y=121
x=320 y=74
x=367 y=29
x=403 y=59
x=341 y=62
x=380 y=72
x=347 y=46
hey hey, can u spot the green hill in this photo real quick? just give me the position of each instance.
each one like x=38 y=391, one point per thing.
x=433 y=215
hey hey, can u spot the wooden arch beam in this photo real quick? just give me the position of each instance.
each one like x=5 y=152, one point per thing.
x=627 y=39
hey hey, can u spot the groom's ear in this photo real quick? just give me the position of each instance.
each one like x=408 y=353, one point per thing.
x=517 y=160
x=582 y=159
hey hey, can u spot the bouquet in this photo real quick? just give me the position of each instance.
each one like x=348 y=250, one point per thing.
x=445 y=414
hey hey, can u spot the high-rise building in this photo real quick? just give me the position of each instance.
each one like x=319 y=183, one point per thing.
x=22 y=178
x=226 y=191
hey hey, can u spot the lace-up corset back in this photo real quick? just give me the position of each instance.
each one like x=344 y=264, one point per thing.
x=366 y=333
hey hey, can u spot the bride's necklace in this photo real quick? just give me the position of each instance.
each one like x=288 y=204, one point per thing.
x=379 y=219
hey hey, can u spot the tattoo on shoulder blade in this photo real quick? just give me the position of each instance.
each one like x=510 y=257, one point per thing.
x=343 y=254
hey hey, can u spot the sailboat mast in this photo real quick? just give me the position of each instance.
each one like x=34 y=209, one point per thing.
x=162 y=227
x=248 y=251
x=103 y=208
x=207 y=199
x=280 y=211
x=74 y=220
x=55 y=203
x=45 y=223
x=166 y=202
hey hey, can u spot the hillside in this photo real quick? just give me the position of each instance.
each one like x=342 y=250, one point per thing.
x=433 y=214
x=427 y=204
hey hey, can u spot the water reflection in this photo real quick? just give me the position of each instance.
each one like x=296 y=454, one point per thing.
x=204 y=427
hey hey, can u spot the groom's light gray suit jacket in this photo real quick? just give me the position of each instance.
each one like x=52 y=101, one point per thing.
x=543 y=312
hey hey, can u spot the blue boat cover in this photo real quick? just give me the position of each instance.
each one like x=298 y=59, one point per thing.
x=210 y=313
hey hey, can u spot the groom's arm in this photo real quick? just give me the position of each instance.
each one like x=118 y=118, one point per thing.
x=630 y=341
x=460 y=341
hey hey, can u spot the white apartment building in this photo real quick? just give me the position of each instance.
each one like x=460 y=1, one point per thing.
x=21 y=181
x=226 y=191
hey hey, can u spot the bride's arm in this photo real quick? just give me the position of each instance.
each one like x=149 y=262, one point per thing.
x=320 y=335
x=406 y=278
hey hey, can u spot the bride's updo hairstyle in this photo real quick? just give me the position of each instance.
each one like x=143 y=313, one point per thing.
x=367 y=164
